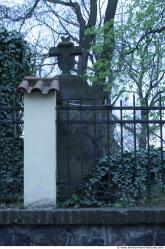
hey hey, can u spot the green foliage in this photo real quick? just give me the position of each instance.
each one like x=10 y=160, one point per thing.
x=78 y=201
x=124 y=179
x=157 y=198
x=133 y=52
x=14 y=65
x=121 y=182
x=103 y=51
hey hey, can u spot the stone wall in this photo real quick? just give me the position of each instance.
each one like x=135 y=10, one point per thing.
x=83 y=227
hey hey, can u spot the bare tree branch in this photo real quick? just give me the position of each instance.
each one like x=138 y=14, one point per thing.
x=147 y=33
x=29 y=13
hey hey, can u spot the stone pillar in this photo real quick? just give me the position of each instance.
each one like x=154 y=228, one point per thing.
x=39 y=141
x=40 y=150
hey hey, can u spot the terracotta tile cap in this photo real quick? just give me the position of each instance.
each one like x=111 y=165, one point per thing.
x=43 y=85
x=38 y=86
x=23 y=87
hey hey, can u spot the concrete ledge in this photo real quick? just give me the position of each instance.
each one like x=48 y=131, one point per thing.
x=83 y=216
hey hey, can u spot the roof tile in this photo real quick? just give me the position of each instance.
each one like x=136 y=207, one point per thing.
x=43 y=85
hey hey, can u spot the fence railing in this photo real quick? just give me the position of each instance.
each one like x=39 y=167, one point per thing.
x=106 y=155
x=110 y=154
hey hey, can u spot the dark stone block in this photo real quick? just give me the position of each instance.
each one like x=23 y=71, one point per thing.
x=116 y=236
x=27 y=216
x=41 y=237
x=3 y=217
x=8 y=216
x=43 y=217
x=97 y=242
x=160 y=239
x=61 y=237
x=75 y=87
x=72 y=137
x=84 y=240
x=72 y=87
x=21 y=239
x=145 y=240
x=6 y=238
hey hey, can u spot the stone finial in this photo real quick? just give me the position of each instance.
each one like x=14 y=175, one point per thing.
x=65 y=52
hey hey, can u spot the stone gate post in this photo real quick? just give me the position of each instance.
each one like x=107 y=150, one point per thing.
x=39 y=141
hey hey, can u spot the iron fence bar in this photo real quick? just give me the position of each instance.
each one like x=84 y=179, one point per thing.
x=108 y=144
x=81 y=140
x=11 y=122
x=77 y=100
x=71 y=182
x=134 y=134
x=68 y=149
x=12 y=108
x=149 y=160
x=0 y=146
x=134 y=119
x=105 y=107
x=113 y=122
x=13 y=140
x=121 y=134
x=94 y=133
x=161 y=140
x=7 y=200
x=134 y=139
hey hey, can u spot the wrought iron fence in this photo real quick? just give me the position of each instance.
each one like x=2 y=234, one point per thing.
x=110 y=155
x=107 y=155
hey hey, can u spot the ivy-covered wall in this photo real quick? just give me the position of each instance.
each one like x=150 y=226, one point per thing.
x=14 y=65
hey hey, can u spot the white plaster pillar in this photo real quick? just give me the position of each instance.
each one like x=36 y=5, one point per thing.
x=40 y=150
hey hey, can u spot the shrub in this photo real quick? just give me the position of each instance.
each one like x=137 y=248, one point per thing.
x=125 y=179
x=14 y=65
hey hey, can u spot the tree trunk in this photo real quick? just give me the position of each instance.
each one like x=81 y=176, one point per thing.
x=143 y=133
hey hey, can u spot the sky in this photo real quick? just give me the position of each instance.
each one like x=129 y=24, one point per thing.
x=32 y=36
x=11 y=3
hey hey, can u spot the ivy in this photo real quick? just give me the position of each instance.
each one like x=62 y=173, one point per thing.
x=121 y=181
x=124 y=179
x=14 y=65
